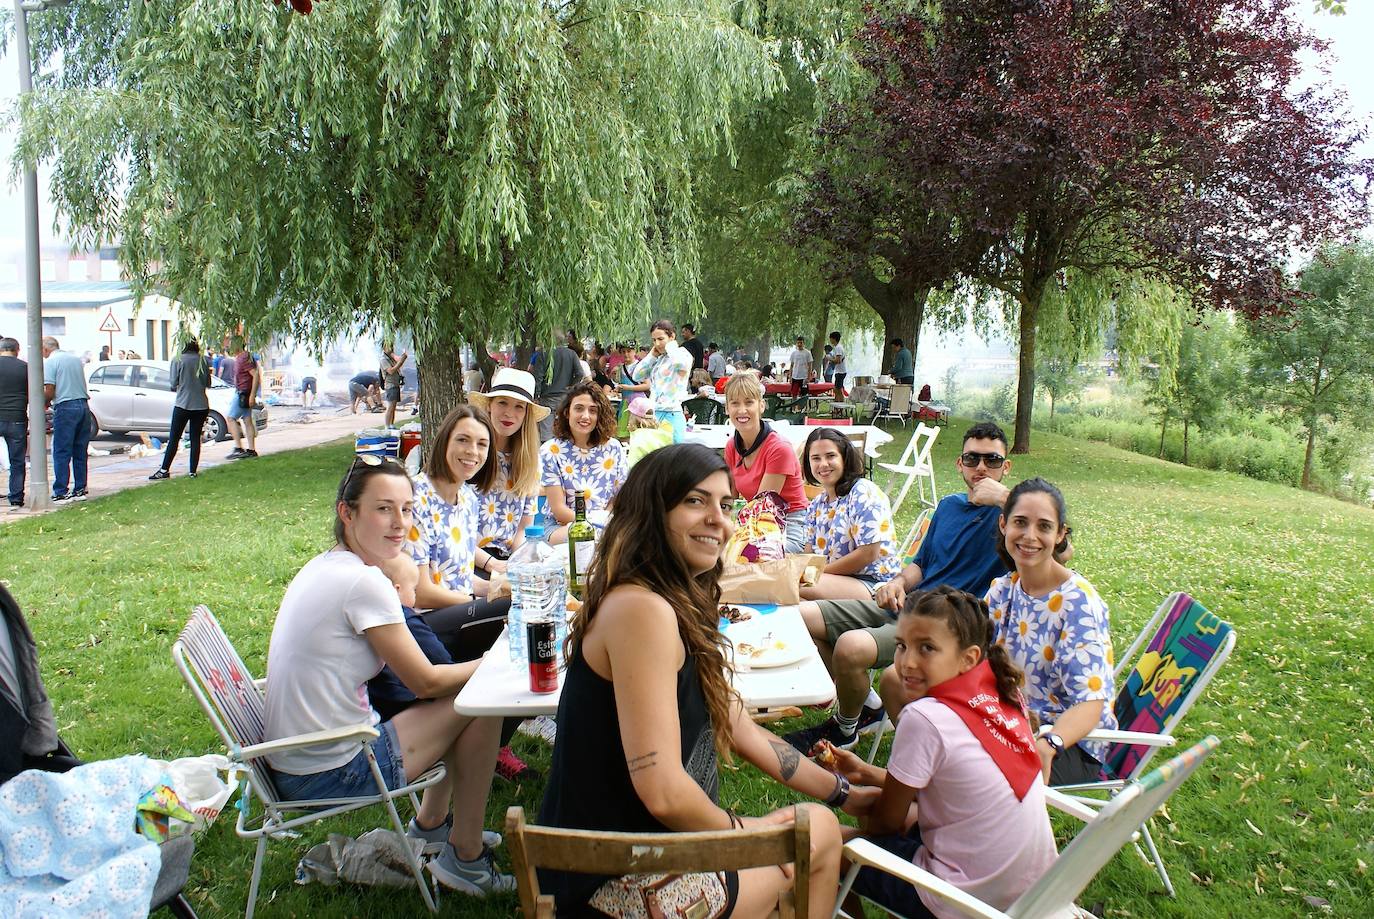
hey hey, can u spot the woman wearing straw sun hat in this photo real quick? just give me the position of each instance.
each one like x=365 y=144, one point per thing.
x=505 y=509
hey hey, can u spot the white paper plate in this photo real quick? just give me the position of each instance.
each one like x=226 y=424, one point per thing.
x=759 y=645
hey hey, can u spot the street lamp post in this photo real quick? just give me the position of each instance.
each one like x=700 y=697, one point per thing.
x=39 y=496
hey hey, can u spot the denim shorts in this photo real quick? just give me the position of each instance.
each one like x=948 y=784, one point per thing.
x=352 y=779
x=236 y=409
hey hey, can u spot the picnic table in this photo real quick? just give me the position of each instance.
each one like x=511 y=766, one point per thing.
x=812 y=389
x=716 y=436
x=498 y=688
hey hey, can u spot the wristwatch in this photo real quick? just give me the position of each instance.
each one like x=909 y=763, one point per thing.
x=1055 y=741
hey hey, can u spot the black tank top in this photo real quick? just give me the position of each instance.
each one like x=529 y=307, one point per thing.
x=589 y=784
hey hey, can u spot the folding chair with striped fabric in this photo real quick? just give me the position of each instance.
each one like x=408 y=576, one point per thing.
x=235 y=705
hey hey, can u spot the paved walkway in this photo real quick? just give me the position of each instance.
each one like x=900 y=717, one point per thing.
x=287 y=429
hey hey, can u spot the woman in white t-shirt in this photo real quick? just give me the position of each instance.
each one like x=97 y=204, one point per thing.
x=339 y=622
x=964 y=757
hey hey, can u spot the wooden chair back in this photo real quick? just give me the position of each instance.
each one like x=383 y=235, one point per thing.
x=618 y=854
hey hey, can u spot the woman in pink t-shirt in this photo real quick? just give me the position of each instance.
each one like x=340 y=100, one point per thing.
x=964 y=756
x=760 y=459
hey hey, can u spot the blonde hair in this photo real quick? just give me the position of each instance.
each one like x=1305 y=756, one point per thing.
x=743 y=386
x=638 y=422
x=524 y=458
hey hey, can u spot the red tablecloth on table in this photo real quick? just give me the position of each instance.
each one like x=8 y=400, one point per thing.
x=783 y=389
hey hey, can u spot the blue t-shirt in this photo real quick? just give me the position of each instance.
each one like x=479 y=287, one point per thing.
x=66 y=374
x=960 y=548
x=387 y=686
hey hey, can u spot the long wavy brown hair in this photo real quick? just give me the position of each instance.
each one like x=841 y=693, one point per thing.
x=635 y=550
x=605 y=416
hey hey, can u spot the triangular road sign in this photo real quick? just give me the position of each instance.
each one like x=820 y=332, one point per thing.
x=109 y=324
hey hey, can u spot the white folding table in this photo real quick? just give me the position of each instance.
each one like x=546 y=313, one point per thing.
x=498 y=688
x=716 y=436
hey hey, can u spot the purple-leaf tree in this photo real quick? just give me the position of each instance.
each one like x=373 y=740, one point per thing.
x=1166 y=137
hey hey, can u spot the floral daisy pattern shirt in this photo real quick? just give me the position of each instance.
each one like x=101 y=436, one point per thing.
x=500 y=510
x=835 y=528
x=600 y=470
x=1062 y=642
x=444 y=535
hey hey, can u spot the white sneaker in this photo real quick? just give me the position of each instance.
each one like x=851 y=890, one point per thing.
x=477 y=878
x=434 y=839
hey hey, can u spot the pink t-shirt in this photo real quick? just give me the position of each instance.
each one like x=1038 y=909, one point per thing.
x=774 y=455
x=974 y=833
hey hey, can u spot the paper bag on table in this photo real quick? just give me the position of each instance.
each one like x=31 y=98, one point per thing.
x=769 y=582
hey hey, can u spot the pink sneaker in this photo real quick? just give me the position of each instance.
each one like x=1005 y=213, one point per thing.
x=514 y=769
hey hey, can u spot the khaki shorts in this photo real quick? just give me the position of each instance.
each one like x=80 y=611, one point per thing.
x=842 y=616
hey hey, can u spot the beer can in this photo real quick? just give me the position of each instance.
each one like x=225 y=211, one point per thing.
x=541 y=644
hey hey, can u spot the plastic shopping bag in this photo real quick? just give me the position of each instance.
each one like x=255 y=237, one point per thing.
x=203 y=784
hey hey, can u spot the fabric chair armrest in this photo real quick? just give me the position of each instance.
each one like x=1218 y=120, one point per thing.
x=358 y=732
x=866 y=853
x=1142 y=738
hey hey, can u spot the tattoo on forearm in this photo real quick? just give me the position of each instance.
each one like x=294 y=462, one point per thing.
x=788 y=758
x=637 y=763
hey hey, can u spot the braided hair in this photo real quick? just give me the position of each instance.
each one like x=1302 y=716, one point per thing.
x=969 y=621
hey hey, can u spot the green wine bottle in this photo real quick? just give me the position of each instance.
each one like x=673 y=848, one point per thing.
x=581 y=545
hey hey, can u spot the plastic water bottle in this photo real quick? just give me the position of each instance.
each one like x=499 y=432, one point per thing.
x=539 y=588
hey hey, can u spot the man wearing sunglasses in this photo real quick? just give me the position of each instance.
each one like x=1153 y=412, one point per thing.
x=960 y=549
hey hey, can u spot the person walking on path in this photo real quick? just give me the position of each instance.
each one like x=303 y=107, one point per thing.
x=801 y=372
x=247 y=379
x=64 y=388
x=392 y=379
x=566 y=369
x=190 y=379
x=664 y=372
x=14 y=414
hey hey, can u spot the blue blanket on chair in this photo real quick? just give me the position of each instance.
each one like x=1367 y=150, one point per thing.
x=68 y=847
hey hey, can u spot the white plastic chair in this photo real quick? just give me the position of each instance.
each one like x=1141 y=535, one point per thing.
x=234 y=703
x=914 y=466
x=1159 y=678
x=898 y=405
x=1077 y=865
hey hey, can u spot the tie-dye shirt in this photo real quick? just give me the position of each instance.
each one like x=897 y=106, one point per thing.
x=667 y=374
x=500 y=510
x=444 y=535
x=1063 y=643
x=601 y=470
x=836 y=527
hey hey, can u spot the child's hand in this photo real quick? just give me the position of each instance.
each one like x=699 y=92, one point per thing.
x=843 y=762
x=861 y=800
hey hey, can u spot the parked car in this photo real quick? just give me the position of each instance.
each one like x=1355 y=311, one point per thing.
x=137 y=396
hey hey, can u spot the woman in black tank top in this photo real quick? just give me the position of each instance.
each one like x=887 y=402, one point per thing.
x=647 y=710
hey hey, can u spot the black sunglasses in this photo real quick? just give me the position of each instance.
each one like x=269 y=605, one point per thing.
x=366 y=459
x=991 y=460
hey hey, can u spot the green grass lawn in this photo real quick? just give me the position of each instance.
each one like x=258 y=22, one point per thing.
x=1280 y=814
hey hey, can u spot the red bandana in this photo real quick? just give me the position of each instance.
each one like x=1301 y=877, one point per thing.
x=1001 y=729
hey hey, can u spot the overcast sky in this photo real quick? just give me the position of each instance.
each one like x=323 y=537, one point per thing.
x=1351 y=67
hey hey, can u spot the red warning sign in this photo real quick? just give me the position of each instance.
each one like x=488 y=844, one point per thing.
x=109 y=323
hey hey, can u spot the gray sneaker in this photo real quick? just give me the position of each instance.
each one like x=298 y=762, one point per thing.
x=435 y=838
x=477 y=878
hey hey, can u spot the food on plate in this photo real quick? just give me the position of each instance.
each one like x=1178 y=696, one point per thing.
x=766 y=643
x=735 y=613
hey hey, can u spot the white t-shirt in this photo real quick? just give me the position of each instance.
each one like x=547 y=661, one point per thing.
x=837 y=357
x=974 y=833
x=801 y=364
x=319 y=662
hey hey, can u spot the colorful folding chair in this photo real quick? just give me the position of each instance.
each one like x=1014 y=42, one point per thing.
x=1180 y=649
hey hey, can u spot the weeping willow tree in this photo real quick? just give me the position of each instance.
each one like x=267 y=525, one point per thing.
x=464 y=170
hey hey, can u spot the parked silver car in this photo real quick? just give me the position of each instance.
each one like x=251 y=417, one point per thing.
x=137 y=396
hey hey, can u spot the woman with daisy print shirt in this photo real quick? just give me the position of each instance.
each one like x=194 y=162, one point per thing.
x=1055 y=627
x=849 y=522
x=506 y=508
x=584 y=454
x=443 y=539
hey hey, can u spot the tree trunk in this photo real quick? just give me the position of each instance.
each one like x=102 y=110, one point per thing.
x=1051 y=409
x=1185 y=441
x=440 y=369
x=1025 y=382
x=902 y=307
x=485 y=362
x=763 y=347
x=819 y=341
x=1307 y=456
x=1163 y=426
